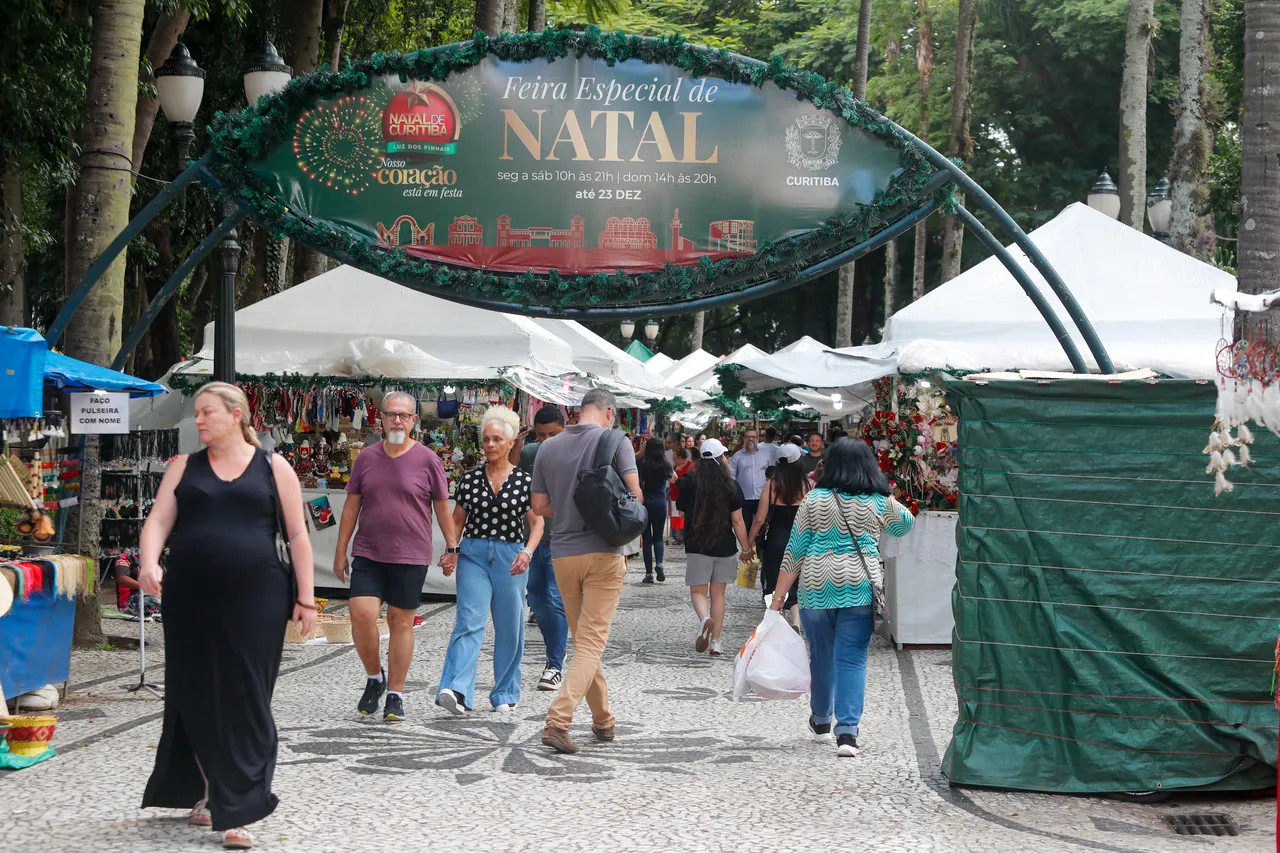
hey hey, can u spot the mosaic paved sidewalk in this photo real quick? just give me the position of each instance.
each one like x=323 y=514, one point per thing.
x=691 y=770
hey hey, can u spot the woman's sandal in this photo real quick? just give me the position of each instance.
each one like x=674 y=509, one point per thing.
x=200 y=815
x=237 y=839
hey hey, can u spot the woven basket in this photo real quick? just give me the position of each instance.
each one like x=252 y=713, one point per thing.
x=337 y=629
x=30 y=734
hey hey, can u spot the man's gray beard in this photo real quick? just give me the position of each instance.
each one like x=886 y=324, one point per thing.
x=396 y=436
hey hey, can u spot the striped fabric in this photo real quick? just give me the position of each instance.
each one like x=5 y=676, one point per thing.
x=821 y=550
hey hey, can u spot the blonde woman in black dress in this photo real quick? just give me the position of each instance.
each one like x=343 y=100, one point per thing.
x=227 y=598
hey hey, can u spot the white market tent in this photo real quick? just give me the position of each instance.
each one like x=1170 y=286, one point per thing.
x=1148 y=302
x=688 y=367
x=594 y=355
x=660 y=362
x=311 y=321
x=805 y=344
x=707 y=380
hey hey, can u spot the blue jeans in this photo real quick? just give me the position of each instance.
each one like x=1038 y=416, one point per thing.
x=651 y=536
x=486 y=585
x=548 y=609
x=838 y=644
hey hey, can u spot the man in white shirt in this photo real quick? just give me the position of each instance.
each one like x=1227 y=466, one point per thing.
x=748 y=468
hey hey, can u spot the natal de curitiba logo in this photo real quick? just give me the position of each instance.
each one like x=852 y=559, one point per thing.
x=420 y=120
x=813 y=144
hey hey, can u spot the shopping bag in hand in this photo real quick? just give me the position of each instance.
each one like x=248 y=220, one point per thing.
x=748 y=572
x=774 y=663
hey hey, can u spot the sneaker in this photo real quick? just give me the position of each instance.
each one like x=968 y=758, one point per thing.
x=662 y=576
x=505 y=708
x=648 y=577
x=821 y=731
x=847 y=746
x=551 y=679
x=373 y=690
x=393 y=712
x=452 y=702
x=704 y=637
x=558 y=739
x=715 y=649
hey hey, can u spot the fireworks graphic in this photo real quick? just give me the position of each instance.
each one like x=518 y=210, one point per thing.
x=338 y=144
x=467 y=91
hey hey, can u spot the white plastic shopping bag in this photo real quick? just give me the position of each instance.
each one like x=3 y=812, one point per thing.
x=774 y=663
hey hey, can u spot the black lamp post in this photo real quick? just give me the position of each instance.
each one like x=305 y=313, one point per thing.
x=180 y=85
x=266 y=75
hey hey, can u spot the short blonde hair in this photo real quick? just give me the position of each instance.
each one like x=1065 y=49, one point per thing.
x=501 y=415
x=233 y=398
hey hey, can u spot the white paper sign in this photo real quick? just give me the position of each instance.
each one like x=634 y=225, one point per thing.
x=100 y=413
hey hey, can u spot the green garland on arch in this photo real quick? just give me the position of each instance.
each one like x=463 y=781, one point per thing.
x=667 y=408
x=242 y=138
x=189 y=385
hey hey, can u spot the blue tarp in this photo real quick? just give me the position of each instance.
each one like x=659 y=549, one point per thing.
x=71 y=374
x=21 y=380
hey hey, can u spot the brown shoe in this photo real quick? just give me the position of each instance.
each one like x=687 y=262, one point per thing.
x=558 y=739
x=604 y=734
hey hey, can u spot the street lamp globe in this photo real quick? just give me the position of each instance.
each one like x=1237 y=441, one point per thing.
x=180 y=84
x=651 y=330
x=1160 y=209
x=266 y=74
x=1105 y=197
x=627 y=328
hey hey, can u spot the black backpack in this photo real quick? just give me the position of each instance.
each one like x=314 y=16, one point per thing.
x=606 y=504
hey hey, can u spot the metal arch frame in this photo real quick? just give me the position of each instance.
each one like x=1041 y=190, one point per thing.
x=948 y=172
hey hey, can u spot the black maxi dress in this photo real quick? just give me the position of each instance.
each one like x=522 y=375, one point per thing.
x=227 y=599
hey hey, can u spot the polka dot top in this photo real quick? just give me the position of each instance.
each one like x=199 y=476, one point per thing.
x=489 y=516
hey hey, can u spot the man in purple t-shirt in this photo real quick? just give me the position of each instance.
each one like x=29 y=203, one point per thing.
x=394 y=486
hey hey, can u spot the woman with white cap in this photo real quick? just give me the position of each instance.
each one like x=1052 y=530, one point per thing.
x=780 y=500
x=714 y=531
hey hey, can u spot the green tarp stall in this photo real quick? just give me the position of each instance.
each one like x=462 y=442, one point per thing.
x=1114 y=621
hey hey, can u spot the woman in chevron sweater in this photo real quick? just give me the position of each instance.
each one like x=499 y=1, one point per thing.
x=834 y=556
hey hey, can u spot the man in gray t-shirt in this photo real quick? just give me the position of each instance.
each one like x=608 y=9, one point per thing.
x=589 y=571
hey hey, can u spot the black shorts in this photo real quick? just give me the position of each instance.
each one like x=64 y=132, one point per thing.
x=398 y=584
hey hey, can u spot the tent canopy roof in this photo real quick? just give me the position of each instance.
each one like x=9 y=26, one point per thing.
x=688 y=367
x=805 y=344
x=1148 y=302
x=595 y=355
x=706 y=380
x=313 y=319
x=639 y=351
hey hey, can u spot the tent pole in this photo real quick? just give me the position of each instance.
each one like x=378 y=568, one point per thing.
x=1042 y=305
x=108 y=257
x=171 y=286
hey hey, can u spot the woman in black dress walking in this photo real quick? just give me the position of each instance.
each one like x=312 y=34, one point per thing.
x=227 y=598
x=779 y=503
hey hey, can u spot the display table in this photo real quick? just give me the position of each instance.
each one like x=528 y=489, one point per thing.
x=35 y=642
x=919 y=573
x=324 y=543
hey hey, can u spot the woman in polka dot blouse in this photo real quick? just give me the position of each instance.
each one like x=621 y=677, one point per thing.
x=493 y=508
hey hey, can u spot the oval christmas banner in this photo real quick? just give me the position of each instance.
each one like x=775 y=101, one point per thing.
x=564 y=171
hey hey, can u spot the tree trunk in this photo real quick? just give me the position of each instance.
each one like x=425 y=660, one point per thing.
x=102 y=196
x=489 y=16
x=890 y=281
x=1259 y=246
x=961 y=143
x=846 y=293
x=99 y=213
x=1191 y=227
x=164 y=334
x=256 y=286
x=924 y=65
x=510 y=16
x=699 y=327
x=302 y=20
x=165 y=35
x=1134 y=85
x=538 y=15
x=13 y=289
x=86 y=517
x=335 y=18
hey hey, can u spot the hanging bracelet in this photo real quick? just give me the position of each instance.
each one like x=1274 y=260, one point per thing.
x=311 y=606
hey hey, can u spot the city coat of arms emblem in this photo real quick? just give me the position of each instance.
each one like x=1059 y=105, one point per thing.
x=813 y=143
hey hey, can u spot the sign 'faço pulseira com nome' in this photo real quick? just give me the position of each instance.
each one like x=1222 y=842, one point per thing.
x=567 y=170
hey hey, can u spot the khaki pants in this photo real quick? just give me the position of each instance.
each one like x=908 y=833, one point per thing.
x=590 y=586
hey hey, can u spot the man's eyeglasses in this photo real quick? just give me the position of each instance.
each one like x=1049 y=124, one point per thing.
x=398 y=416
